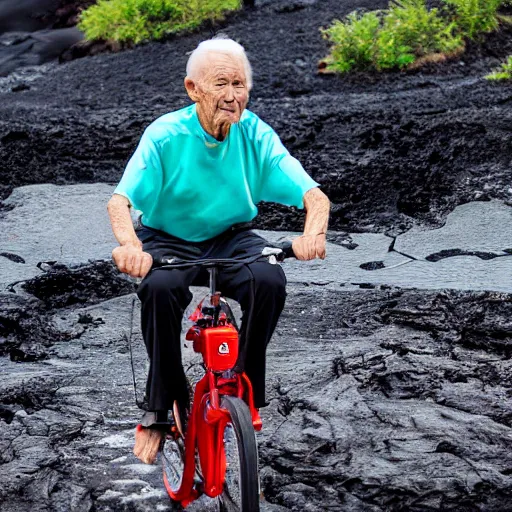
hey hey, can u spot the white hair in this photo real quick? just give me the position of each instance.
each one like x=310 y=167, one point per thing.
x=219 y=44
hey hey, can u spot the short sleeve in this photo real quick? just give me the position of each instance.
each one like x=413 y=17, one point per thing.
x=142 y=179
x=284 y=180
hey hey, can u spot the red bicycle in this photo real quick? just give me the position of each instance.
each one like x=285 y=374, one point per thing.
x=217 y=455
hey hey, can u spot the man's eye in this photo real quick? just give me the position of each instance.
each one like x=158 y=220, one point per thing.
x=220 y=84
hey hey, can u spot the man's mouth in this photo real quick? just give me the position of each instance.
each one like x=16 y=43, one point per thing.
x=232 y=111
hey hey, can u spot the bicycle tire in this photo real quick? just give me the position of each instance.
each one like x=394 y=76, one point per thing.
x=173 y=463
x=240 y=494
x=173 y=455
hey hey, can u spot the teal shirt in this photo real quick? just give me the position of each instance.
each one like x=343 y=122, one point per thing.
x=194 y=187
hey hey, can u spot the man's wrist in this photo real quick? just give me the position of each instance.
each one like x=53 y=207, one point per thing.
x=132 y=243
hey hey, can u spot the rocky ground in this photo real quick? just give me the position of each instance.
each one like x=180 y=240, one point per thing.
x=389 y=374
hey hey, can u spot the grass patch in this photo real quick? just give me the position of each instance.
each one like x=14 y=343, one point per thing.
x=134 y=21
x=504 y=72
x=407 y=34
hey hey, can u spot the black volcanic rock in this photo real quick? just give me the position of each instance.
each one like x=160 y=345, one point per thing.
x=381 y=399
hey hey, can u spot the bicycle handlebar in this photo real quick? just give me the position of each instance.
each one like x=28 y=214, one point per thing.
x=286 y=251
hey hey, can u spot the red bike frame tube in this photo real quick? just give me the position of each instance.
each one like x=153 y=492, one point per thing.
x=246 y=386
x=206 y=431
x=186 y=493
x=210 y=444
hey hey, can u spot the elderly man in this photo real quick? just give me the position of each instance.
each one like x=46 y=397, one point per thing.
x=197 y=175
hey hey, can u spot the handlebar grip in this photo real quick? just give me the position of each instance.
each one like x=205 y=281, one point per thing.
x=160 y=262
x=287 y=249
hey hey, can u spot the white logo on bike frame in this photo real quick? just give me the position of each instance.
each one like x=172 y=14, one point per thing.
x=224 y=348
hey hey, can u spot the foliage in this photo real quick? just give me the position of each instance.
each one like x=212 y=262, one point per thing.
x=353 y=41
x=474 y=17
x=504 y=72
x=140 y=20
x=409 y=31
x=393 y=38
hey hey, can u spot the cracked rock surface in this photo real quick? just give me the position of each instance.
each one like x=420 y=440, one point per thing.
x=382 y=397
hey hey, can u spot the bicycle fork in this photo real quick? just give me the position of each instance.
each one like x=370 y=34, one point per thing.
x=206 y=432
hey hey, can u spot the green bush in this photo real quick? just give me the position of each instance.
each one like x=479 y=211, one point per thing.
x=139 y=20
x=504 y=72
x=474 y=17
x=353 y=41
x=410 y=31
x=393 y=38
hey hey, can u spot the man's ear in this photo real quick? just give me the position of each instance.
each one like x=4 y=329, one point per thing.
x=191 y=88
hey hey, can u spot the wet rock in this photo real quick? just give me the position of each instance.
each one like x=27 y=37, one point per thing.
x=68 y=237
x=474 y=320
x=86 y=284
x=26 y=330
x=26 y=15
x=385 y=403
x=36 y=48
x=378 y=378
x=483 y=237
x=21 y=322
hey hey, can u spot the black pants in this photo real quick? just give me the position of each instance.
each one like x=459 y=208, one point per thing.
x=258 y=287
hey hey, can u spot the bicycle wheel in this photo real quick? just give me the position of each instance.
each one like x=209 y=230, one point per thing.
x=241 y=488
x=173 y=456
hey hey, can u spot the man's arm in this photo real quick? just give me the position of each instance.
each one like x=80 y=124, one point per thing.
x=311 y=244
x=129 y=256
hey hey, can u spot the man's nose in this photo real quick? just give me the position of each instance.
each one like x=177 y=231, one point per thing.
x=230 y=94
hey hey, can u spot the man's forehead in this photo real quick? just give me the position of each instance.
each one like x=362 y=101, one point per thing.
x=216 y=64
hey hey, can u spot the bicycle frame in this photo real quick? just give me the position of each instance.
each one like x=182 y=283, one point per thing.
x=206 y=412
x=207 y=420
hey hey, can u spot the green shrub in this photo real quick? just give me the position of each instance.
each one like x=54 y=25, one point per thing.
x=504 y=72
x=140 y=20
x=393 y=38
x=410 y=31
x=474 y=17
x=353 y=41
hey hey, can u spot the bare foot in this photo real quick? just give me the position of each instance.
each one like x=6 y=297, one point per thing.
x=147 y=443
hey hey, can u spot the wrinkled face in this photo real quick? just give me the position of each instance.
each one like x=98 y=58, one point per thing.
x=221 y=92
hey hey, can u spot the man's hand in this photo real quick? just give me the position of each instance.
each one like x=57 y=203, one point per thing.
x=311 y=244
x=129 y=256
x=309 y=247
x=132 y=260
